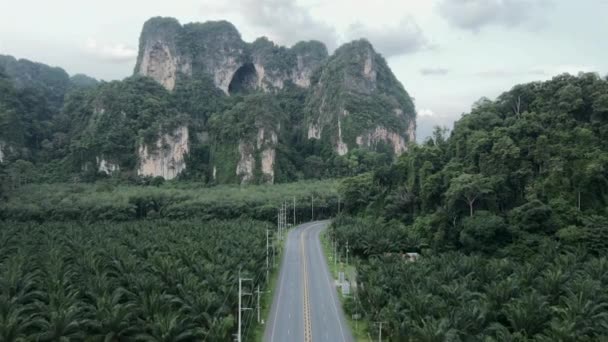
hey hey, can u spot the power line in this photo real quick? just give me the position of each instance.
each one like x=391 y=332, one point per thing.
x=249 y=320
x=241 y=309
x=258 y=304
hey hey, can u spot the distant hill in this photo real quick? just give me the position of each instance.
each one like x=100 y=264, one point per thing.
x=32 y=98
x=203 y=104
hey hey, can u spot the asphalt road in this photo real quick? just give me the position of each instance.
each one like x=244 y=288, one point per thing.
x=306 y=305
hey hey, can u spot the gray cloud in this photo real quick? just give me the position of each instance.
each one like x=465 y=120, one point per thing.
x=404 y=38
x=434 y=71
x=499 y=73
x=475 y=14
x=542 y=71
x=287 y=22
x=425 y=124
x=283 y=21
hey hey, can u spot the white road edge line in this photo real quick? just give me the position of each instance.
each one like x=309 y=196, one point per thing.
x=283 y=271
x=333 y=290
x=276 y=314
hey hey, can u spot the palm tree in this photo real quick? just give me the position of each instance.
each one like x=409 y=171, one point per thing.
x=434 y=330
x=16 y=319
x=112 y=318
x=497 y=332
x=527 y=314
x=170 y=326
x=62 y=319
x=581 y=315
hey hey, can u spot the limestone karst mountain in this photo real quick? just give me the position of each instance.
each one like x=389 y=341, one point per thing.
x=205 y=104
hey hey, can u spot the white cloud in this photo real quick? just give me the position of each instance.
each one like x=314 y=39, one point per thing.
x=434 y=71
x=475 y=14
x=572 y=69
x=117 y=53
x=427 y=119
x=403 y=38
x=425 y=112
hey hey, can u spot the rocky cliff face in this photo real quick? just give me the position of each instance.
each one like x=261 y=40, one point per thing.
x=243 y=112
x=348 y=100
x=167 y=158
x=266 y=143
x=358 y=98
x=106 y=166
x=169 y=52
x=159 y=55
x=411 y=131
x=262 y=152
x=381 y=134
x=246 y=164
x=276 y=65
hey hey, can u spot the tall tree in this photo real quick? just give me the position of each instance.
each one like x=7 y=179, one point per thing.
x=469 y=188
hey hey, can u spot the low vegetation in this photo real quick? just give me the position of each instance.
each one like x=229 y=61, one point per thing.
x=145 y=281
x=176 y=200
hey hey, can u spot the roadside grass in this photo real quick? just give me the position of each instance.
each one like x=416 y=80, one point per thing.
x=268 y=295
x=360 y=327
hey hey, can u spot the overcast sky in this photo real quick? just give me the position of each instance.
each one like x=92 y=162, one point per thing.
x=447 y=53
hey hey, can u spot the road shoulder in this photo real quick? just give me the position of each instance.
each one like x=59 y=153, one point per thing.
x=360 y=327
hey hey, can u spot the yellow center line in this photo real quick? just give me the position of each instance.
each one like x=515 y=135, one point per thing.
x=307 y=324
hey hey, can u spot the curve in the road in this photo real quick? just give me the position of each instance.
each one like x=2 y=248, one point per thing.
x=305 y=306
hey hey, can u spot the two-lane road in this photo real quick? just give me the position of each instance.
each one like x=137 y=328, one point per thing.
x=305 y=305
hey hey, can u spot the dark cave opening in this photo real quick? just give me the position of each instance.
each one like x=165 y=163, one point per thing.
x=244 y=80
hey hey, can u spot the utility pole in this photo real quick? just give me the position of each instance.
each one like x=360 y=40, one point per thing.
x=338 y=252
x=241 y=308
x=335 y=253
x=294 y=211
x=283 y=223
x=379 y=330
x=258 y=306
x=280 y=223
x=312 y=207
x=347 y=253
x=267 y=255
x=258 y=291
x=274 y=253
x=338 y=205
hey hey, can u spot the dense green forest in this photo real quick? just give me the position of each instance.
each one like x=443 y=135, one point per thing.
x=508 y=214
x=104 y=201
x=145 y=281
x=111 y=119
x=57 y=129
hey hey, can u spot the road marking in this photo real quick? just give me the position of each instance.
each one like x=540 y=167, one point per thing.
x=307 y=324
x=282 y=283
x=276 y=313
x=333 y=290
